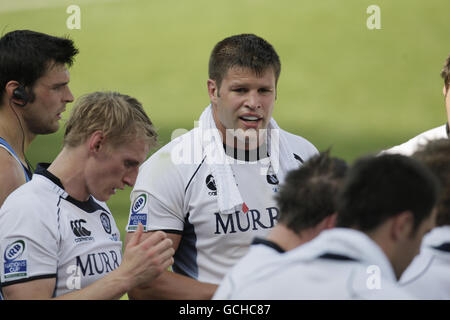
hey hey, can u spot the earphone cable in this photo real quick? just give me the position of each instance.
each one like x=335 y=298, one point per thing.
x=30 y=167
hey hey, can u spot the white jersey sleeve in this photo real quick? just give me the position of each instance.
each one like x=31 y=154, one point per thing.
x=427 y=275
x=158 y=193
x=412 y=145
x=29 y=244
x=302 y=148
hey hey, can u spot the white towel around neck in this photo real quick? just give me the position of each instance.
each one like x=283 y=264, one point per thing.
x=228 y=196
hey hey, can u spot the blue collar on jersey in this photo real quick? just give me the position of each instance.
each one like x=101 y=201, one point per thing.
x=89 y=205
x=335 y=256
x=247 y=155
x=268 y=243
x=443 y=247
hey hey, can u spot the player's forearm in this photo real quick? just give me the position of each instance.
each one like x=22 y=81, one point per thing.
x=174 y=287
x=113 y=286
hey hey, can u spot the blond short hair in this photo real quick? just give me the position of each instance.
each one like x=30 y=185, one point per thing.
x=120 y=117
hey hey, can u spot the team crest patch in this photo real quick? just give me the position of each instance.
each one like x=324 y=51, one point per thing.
x=137 y=213
x=15 y=262
x=272 y=179
x=106 y=223
x=211 y=184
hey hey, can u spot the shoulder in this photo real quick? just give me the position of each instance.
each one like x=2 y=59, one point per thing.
x=173 y=163
x=410 y=146
x=299 y=145
x=297 y=140
x=418 y=267
x=32 y=197
x=30 y=208
x=247 y=271
x=382 y=289
x=11 y=174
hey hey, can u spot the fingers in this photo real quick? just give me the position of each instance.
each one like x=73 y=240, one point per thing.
x=162 y=246
x=136 y=238
x=156 y=239
x=166 y=253
x=148 y=259
x=159 y=250
x=162 y=261
x=167 y=263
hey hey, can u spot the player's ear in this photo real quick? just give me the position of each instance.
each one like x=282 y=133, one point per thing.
x=213 y=90
x=96 y=141
x=9 y=89
x=331 y=221
x=402 y=225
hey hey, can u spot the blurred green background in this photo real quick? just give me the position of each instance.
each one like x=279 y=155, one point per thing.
x=342 y=85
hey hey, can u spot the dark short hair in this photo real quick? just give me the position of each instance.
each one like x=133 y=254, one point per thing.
x=308 y=193
x=243 y=51
x=378 y=188
x=26 y=55
x=436 y=156
x=445 y=72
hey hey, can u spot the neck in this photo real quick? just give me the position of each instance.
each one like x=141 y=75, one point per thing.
x=246 y=155
x=381 y=236
x=448 y=116
x=250 y=143
x=67 y=167
x=286 y=238
x=11 y=124
x=447 y=103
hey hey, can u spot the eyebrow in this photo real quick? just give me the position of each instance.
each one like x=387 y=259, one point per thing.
x=247 y=84
x=132 y=162
x=60 y=84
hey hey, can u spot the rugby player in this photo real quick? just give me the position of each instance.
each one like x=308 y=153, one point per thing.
x=427 y=276
x=307 y=207
x=212 y=188
x=58 y=238
x=385 y=207
x=34 y=92
x=441 y=132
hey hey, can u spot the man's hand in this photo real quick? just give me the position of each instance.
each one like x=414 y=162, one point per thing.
x=144 y=261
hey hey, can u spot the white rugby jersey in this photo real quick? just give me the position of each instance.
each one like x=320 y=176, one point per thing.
x=182 y=198
x=45 y=233
x=337 y=264
x=412 y=145
x=427 y=277
x=261 y=251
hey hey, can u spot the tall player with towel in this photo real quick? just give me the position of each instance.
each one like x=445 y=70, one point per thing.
x=212 y=189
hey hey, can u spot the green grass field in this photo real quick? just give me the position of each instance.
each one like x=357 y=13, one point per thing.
x=341 y=85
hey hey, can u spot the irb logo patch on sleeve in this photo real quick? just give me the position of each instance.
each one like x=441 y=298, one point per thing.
x=138 y=213
x=14 y=260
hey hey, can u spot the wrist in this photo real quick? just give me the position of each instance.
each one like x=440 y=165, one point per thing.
x=121 y=281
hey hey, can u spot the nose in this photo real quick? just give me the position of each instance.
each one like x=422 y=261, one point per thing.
x=253 y=101
x=68 y=97
x=130 y=178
